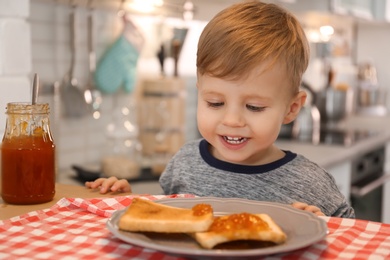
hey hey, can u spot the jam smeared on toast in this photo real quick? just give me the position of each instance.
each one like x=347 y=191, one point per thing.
x=202 y=209
x=241 y=221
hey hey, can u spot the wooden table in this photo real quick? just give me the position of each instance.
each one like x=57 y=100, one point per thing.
x=62 y=190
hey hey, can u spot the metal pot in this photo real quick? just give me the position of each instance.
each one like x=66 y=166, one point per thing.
x=334 y=104
x=338 y=104
x=307 y=125
x=371 y=97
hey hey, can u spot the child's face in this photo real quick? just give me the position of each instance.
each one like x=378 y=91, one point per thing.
x=242 y=119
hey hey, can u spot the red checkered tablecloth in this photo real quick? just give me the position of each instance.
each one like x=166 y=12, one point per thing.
x=74 y=228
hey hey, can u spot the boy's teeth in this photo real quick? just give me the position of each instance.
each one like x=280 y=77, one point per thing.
x=234 y=140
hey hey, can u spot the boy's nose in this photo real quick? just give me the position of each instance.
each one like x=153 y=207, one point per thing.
x=233 y=118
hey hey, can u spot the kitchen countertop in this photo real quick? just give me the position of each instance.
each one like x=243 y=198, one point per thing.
x=324 y=155
x=327 y=155
x=69 y=177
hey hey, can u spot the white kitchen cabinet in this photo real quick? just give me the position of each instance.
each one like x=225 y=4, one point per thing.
x=381 y=10
x=342 y=174
x=366 y=10
x=386 y=190
x=359 y=8
x=386 y=203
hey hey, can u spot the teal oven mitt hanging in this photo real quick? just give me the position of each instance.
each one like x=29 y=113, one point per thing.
x=118 y=66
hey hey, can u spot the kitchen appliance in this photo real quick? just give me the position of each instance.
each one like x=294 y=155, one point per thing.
x=308 y=122
x=333 y=136
x=343 y=137
x=367 y=181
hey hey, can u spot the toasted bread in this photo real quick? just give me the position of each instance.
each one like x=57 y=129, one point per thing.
x=242 y=226
x=148 y=216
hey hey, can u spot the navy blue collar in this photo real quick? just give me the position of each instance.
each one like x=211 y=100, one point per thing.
x=238 y=168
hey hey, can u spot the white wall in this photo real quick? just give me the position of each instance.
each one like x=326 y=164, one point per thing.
x=82 y=141
x=15 y=54
x=373 y=44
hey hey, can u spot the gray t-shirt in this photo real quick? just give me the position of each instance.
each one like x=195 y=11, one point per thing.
x=193 y=170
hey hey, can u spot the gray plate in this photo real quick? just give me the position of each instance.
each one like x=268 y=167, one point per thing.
x=302 y=228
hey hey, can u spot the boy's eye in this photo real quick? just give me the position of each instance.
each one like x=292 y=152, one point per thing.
x=215 y=104
x=255 y=108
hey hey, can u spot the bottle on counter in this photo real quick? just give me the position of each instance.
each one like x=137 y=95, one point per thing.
x=27 y=155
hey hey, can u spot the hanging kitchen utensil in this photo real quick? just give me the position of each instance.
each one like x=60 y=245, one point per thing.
x=179 y=35
x=72 y=97
x=161 y=59
x=118 y=65
x=92 y=95
x=163 y=37
x=176 y=46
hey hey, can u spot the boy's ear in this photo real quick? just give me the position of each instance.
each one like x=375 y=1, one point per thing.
x=295 y=106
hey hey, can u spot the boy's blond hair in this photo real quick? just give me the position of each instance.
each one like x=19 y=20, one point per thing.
x=242 y=36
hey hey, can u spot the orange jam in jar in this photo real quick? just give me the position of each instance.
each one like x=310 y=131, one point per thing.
x=27 y=155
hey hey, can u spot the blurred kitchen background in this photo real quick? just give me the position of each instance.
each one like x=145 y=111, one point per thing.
x=120 y=75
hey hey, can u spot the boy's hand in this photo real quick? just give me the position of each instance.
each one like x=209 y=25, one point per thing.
x=310 y=208
x=111 y=184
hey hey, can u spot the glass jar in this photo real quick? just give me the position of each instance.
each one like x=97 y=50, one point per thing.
x=27 y=155
x=163 y=120
x=122 y=157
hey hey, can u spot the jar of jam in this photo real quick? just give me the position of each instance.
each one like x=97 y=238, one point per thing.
x=27 y=155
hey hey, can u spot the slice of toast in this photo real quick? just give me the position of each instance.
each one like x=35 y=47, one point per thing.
x=148 y=216
x=242 y=226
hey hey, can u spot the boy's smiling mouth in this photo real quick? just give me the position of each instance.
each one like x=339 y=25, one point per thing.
x=234 y=140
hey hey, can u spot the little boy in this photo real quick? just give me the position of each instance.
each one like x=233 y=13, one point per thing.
x=250 y=61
